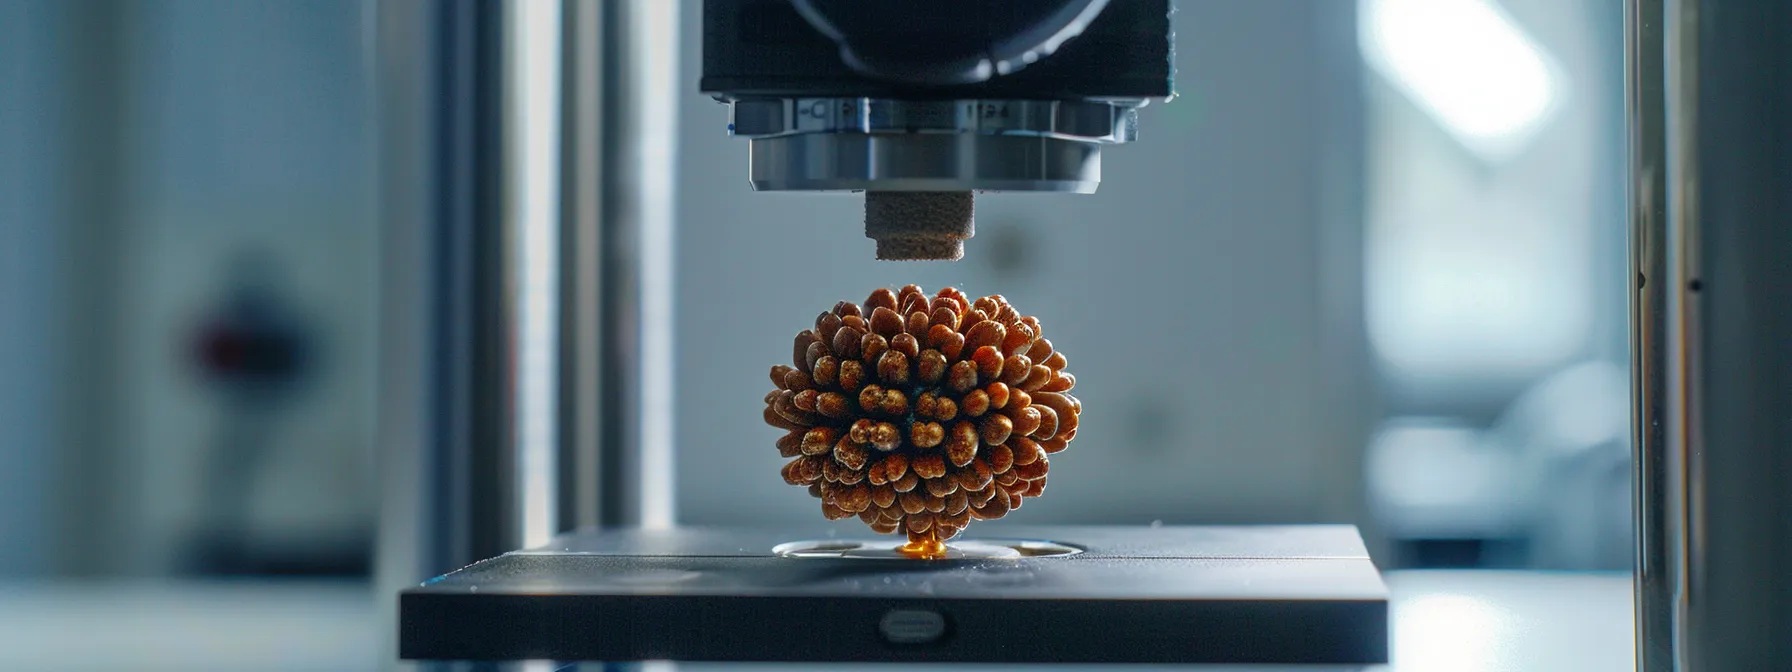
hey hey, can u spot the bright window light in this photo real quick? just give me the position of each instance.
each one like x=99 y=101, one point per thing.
x=1467 y=64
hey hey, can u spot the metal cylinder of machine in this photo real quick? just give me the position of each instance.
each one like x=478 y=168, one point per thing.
x=1713 y=333
x=526 y=186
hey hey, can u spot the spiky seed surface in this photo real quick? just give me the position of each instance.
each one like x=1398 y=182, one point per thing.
x=920 y=413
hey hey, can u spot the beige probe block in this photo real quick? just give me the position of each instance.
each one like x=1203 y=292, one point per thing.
x=919 y=225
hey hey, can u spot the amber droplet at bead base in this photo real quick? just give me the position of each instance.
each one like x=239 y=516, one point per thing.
x=920 y=413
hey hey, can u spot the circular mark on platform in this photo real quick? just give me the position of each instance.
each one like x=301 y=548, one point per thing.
x=885 y=549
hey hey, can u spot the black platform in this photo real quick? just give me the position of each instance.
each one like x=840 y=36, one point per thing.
x=1270 y=595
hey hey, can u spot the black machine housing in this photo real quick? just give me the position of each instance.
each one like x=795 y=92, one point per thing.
x=768 y=49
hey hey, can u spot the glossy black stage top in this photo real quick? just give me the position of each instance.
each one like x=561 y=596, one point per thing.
x=1270 y=595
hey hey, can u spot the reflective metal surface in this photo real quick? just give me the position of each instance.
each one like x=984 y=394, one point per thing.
x=526 y=340
x=924 y=162
x=1646 y=118
x=1094 y=120
x=618 y=132
x=1716 y=518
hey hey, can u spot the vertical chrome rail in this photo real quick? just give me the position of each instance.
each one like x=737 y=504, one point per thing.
x=1715 y=506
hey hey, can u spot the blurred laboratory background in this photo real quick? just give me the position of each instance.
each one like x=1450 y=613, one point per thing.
x=1368 y=267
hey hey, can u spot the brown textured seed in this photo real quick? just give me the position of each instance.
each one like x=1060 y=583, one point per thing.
x=913 y=502
x=894 y=403
x=928 y=466
x=982 y=496
x=791 y=444
x=1063 y=406
x=1019 y=336
x=976 y=403
x=832 y=512
x=917 y=324
x=882 y=297
x=963 y=436
x=1025 y=450
x=938 y=336
x=969 y=319
x=940 y=487
x=920 y=413
x=852 y=375
x=870 y=397
x=961 y=454
x=885 y=436
x=850 y=455
x=919 y=523
x=1048 y=422
x=998 y=395
x=886 y=322
x=981 y=473
x=803 y=341
x=906 y=483
x=957 y=502
x=1016 y=368
x=882 y=496
x=907 y=344
x=826 y=324
x=820 y=440
x=932 y=367
x=927 y=404
x=926 y=434
x=793 y=472
x=989 y=363
x=987 y=332
x=942 y=315
x=860 y=431
x=827 y=371
x=1026 y=420
x=945 y=409
x=832 y=404
x=872 y=346
x=846 y=342
x=1000 y=458
x=805 y=400
x=1034 y=471
x=848 y=476
x=1018 y=398
x=995 y=429
x=892 y=368
x=962 y=377
x=856 y=499
x=896 y=466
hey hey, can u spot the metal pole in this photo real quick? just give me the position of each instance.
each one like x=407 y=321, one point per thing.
x=1724 y=522
x=1647 y=188
x=446 y=461
x=526 y=157
x=620 y=126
